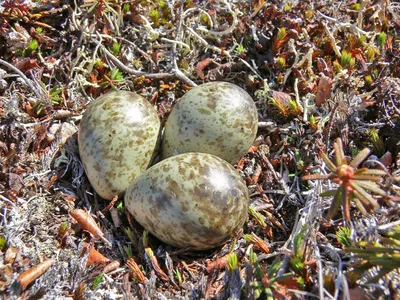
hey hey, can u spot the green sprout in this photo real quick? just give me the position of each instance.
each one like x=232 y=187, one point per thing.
x=377 y=143
x=368 y=80
x=266 y=282
x=382 y=37
x=370 y=54
x=99 y=279
x=240 y=49
x=259 y=218
x=178 y=276
x=115 y=48
x=344 y=236
x=113 y=79
x=232 y=262
x=32 y=46
x=347 y=60
x=131 y=236
x=281 y=63
x=3 y=243
x=126 y=8
x=128 y=250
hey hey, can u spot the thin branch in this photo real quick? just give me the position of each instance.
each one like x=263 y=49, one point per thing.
x=27 y=81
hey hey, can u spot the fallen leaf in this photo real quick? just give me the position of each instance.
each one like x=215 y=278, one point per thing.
x=94 y=257
x=201 y=66
x=33 y=273
x=323 y=90
x=88 y=223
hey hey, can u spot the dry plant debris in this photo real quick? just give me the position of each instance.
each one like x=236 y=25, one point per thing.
x=325 y=79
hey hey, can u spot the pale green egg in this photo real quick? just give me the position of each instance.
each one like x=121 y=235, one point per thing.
x=118 y=137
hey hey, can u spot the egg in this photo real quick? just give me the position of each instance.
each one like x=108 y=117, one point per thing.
x=118 y=137
x=192 y=200
x=219 y=118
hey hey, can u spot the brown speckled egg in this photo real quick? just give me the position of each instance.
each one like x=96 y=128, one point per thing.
x=194 y=200
x=118 y=137
x=219 y=118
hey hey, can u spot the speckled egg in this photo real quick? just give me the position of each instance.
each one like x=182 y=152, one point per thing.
x=118 y=137
x=219 y=118
x=194 y=200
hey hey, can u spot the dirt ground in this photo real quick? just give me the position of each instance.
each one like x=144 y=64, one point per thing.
x=323 y=173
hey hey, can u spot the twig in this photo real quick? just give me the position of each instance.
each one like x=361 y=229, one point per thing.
x=330 y=123
x=27 y=81
x=133 y=72
x=332 y=40
x=229 y=30
x=347 y=25
x=205 y=43
x=177 y=71
x=320 y=274
x=257 y=10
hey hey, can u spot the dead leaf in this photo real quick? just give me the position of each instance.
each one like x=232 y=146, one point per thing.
x=12 y=255
x=88 y=223
x=94 y=257
x=323 y=90
x=201 y=66
x=33 y=273
x=154 y=263
x=218 y=264
x=6 y=272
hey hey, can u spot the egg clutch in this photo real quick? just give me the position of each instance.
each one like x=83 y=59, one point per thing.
x=193 y=197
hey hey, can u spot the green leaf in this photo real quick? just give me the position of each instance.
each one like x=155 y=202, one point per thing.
x=99 y=279
x=344 y=236
x=232 y=262
x=273 y=269
x=337 y=201
x=3 y=243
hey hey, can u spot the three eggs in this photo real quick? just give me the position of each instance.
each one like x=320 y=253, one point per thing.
x=193 y=197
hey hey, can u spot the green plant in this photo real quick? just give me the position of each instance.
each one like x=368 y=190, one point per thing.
x=281 y=63
x=354 y=185
x=368 y=80
x=266 y=282
x=126 y=8
x=54 y=98
x=113 y=79
x=32 y=46
x=347 y=60
x=240 y=49
x=128 y=250
x=370 y=54
x=382 y=37
x=377 y=143
x=344 y=236
x=115 y=48
x=232 y=262
x=3 y=243
x=383 y=254
x=178 y=276
x=99 y=279
x=131 y=236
